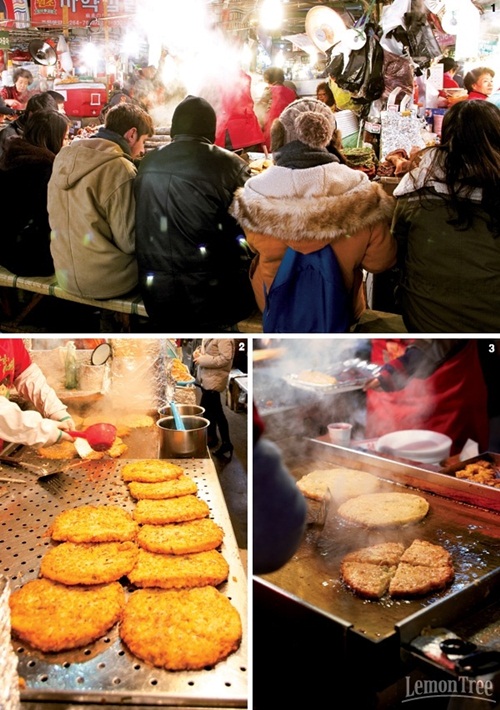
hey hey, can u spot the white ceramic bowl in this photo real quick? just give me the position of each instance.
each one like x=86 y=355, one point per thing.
x=415 y=444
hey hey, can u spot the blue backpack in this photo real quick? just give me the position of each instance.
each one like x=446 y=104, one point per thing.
x=307 y=295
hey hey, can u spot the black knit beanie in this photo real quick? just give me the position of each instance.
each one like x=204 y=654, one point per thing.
x=194 y=116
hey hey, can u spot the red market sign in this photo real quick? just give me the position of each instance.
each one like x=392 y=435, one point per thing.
x=78 y=13
x=13 y=12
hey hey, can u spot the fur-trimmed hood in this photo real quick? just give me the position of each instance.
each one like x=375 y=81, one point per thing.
x=321 y=203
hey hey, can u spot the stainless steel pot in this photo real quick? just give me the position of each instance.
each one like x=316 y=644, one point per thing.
x=183 y=409
x=191 y=443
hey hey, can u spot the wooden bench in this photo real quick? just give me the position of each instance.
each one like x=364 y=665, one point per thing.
x=130 y=307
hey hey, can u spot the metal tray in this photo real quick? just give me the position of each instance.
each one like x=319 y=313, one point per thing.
x=105 y=671
x=311 y=578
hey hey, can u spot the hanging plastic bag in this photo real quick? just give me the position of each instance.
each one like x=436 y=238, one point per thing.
x=362 y=76
x=422 y=43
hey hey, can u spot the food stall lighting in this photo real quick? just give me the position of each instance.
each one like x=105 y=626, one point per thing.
x=271 y=14
x=279 y=59
x=131 y=44
x=90 y=55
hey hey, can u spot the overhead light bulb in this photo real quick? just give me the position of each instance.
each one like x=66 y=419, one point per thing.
x=271 y=14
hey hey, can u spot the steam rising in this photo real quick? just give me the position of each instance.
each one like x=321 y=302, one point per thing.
x=201 y=61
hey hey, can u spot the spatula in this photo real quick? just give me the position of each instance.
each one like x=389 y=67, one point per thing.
x=41 y=473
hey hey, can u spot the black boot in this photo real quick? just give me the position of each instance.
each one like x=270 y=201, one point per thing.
x=212 y=442
x=225 y=448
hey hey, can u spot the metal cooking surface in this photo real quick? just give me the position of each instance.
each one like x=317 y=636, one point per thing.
x=105 y=671
x=471 y=535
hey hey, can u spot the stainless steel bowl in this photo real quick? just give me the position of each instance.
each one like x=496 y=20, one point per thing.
x=183 y=409
x=191 y=443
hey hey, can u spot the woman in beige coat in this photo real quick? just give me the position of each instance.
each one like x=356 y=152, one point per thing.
x=214 y=359
x=308 y=199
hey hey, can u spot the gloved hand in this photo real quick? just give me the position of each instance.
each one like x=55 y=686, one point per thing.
x=65 y=422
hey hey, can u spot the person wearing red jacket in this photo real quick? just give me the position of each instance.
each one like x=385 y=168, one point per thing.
x=48 y=423
x=237 y=124
x=275 y=99
x=433 y=384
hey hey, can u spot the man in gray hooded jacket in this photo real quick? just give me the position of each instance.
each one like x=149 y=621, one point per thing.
x=92 y=208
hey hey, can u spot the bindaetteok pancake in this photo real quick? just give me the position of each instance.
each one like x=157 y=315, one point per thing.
x=53 y=617
x=383 y=510
x=89 y=563
x=343 y=483
x=184 y=629
x=94 y=523
x=182 y=486
x=181 y=538
x=373 y=571
x=179 y=571
x=172 y=510
x=150 y=471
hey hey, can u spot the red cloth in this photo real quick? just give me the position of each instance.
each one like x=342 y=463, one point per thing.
x=477 y=95
x=282 y=96
x=449 y=82
x=14 y=359
x=10 y=92
x=238 y=118
x=453 y=400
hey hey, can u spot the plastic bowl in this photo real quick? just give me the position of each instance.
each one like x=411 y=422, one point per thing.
x=420 y=445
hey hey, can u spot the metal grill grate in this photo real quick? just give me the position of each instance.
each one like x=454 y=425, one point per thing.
x=105 y=671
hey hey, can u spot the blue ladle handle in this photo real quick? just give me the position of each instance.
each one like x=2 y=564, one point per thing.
x=179 y=424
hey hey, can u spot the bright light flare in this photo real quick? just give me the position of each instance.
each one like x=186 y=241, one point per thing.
x=90 y=54
x=271 y=14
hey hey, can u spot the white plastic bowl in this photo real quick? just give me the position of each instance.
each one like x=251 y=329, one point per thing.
x=420 y=445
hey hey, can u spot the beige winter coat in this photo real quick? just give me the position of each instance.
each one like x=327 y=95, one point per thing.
x=215 y=362
x=92 y=216
x=309 y=208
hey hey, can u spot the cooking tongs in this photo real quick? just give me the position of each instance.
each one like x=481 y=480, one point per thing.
x=41 y=473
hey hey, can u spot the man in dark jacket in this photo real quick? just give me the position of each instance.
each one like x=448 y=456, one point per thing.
x=193 y=260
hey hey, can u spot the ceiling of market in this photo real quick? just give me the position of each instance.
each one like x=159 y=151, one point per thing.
x=245 y=14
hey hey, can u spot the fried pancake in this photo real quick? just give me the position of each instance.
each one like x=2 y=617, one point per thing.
x=418 y=580
x=372 y=571
x=179 y=371
x=62 y=450
x=313 y=377
x=382 y=510
x=135 y=420
x=94 y=523
x=181 y=538
x=182 y=486
x=343 y=483
x=179 y=571
x=86 y=452
x=386 y=553
x=88 y=562
x=426 y=554
x=178 y=630
x=172 y=510
x=53 y=617
x=370 y=581
x=150 y=471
